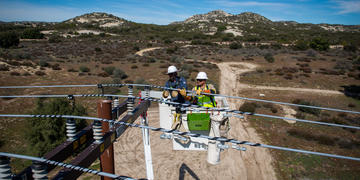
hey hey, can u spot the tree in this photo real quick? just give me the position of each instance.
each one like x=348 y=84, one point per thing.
x=8 y=39
x=45 y=134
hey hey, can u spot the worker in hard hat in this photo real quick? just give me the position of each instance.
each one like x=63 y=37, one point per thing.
x=203 y=87
x=178 y=83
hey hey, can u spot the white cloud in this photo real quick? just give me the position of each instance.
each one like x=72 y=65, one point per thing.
x=348 y=6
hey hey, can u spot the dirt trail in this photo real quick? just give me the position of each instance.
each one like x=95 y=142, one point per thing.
x=242 y=67
x=141 y=52
x=255 y=163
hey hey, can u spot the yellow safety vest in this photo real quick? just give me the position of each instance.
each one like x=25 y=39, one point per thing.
x=204 y=100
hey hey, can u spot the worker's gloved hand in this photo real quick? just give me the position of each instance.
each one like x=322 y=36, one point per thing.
x=183 y=92
x=198 y=92
x=174 y=94
x=165 y=94
x=207 y=91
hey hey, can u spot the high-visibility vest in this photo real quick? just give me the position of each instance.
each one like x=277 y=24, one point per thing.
x=204 y=100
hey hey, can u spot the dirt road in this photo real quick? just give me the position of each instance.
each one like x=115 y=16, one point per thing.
x=141 y=52
x=256 y=163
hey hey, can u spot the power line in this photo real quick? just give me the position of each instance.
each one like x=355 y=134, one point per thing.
x=69 y=166
x=165 y=88
x=176 y=132
x=186 y=107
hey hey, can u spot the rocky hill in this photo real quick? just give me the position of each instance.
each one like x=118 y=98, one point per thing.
x=249 y=23
x=98 y=19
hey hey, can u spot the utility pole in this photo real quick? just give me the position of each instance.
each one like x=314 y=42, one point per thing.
x=107 y=156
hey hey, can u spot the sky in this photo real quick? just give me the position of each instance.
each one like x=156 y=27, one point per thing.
x=163 y=12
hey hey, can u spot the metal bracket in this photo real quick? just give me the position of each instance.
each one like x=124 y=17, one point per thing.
x=100 y=86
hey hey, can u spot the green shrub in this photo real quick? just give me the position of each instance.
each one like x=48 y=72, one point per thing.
x=15 y=73
x=235 y=46
x=109 y=70
x=72 y=70
x=54 y=39
x=44 y=134
x=301 y=45
x=32 y=33
x=269 y=58
x=97 y=49
x=4 y=67
x=313 y=111
x=40 y=73
x=319 y=44
x=134 y=67
x=43 y=63
x=120 y=74
x=136 y=48
x=184 y=74
x=248 y=107
x=350 y=48
x=103 y=74
x=140 y=81
x=56 y=67
x=84 y=69
x=8 y=39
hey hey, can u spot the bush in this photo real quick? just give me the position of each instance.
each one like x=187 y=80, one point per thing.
x=136 y=48
x=109 y=69
x=235 y=46
x=134 y=67
x=274 y=110
x=44 y=134
x=184 y=74
x=40 y=73
x=54 y=39
x=350 y=48
x=319 y=44
x=84 y=69
x=97 y=49
x=248 y=107
x=26 y=74
x=301 y=45
x=4 y=67
x=120 y=74
x=313 y=111
x=43 y=63
x=140 y=81
x=14 y=73
x=56 y=67
x=269 y=58
x=103 y=74
x=72 y=70
x=32 y=33
x=8 y=39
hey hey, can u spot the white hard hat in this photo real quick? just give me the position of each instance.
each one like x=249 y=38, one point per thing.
x=172 y=69
x=201 y=75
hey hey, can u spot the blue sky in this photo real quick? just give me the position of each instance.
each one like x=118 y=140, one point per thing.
x=167 y=11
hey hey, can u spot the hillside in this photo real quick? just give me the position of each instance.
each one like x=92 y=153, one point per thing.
x=206 y=28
